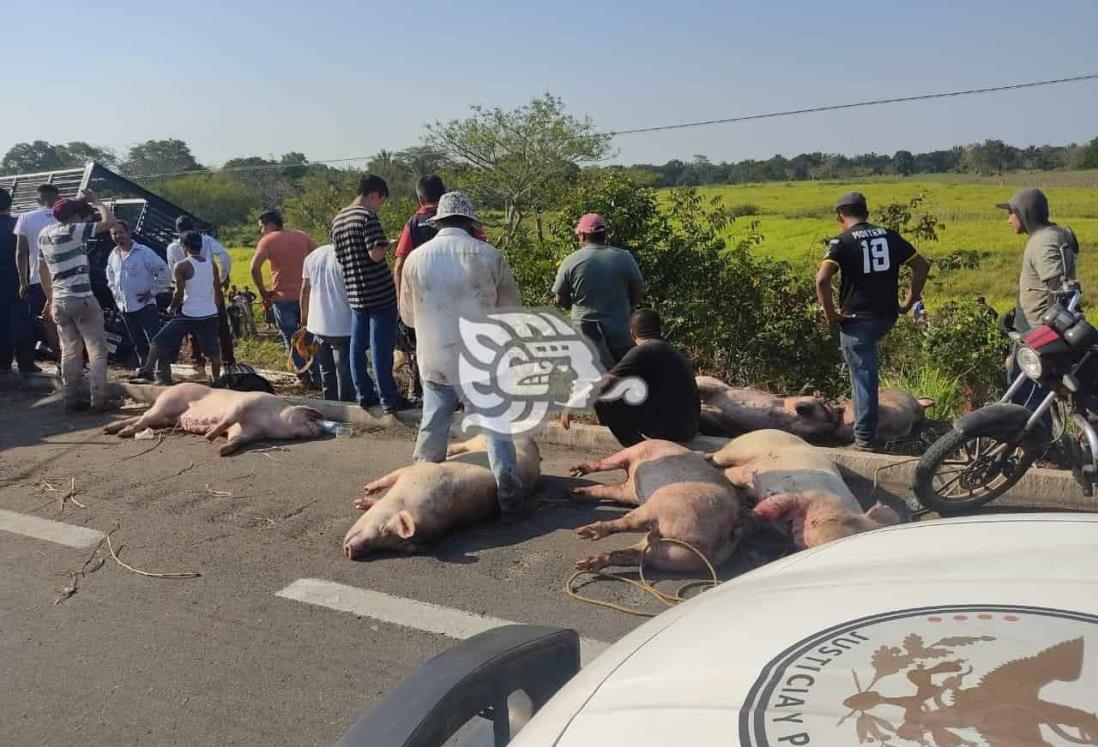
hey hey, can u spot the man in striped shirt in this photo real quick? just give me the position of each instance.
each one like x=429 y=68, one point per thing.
x=63 y=253
x=360 y=248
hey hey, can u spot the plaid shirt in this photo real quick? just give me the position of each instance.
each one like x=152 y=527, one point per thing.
x=355 y=231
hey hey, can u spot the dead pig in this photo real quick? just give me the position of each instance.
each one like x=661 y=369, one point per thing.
x=730 y=410
x=426 y=500
x=897 y=415
x=677 y=494
x=792 y=480
x=242 y=416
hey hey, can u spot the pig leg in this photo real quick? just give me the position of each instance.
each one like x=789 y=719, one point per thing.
x=670 y=557
x=238 y=436
x=151 y=419
x=120 y=424
x=740 y=477
x=364 y=502
x=620 y=460
x=220 y=428
x=635 y=521
x=630 y=556
x=619 y=493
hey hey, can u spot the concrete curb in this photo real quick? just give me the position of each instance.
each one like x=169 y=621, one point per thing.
x=1047 y=488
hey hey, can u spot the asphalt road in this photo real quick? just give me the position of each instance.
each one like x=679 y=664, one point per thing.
x=220 y=659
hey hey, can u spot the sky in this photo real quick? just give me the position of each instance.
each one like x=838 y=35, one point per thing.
x=336 y=79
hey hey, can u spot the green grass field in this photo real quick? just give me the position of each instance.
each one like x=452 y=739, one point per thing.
x=795 y=217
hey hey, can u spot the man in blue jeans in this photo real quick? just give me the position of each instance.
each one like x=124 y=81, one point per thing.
x=456 y=276
x=135 y=275
x=360 y=247
x=868 y=259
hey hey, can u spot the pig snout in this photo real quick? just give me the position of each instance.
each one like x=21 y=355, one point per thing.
x=378 y=530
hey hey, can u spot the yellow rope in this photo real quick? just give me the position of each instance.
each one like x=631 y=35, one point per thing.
x=669 y=600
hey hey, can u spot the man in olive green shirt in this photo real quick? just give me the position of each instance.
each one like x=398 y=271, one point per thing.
x=1048 y=260
x=600 y=284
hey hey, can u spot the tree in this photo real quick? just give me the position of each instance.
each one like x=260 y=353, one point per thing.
x=216 y=198
x=521 y=160
x=903 y=162
x=155 y=157
x=78 y=153
x=32 y=157
x=1090 y=155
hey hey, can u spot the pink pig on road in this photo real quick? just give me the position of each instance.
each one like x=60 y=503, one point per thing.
x=792 y=480
x=426 y=500
x=242 y=416
x=729 y=410
x=678 y=495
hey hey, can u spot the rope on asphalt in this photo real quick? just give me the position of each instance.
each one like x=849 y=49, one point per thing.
x=643 y=584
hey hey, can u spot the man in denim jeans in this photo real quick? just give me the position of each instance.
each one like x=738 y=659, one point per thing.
x=868 y=259
x=456 y=276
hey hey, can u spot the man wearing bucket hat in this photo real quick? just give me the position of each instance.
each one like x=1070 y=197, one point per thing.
x=868 y=259
x=600 y=284
x=455 y=276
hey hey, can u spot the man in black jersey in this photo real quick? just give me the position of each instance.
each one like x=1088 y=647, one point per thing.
x=868 y=259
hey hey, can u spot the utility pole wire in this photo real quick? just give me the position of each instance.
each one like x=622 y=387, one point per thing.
x=683 y=125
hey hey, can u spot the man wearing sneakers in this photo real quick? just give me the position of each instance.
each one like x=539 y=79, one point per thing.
x=194 y=304
x=868 y=259
x=63 y=268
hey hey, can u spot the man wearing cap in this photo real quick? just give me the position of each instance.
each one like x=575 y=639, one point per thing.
x=27 y=227
x=456 y=276
x=600 y=284
x=868 y=259
x=63 y=268
x=214 y=251
x=1048 y=262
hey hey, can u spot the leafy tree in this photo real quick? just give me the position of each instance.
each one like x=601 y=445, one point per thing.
x=521 y=161
x=43 y=156
x=323 y=194
x=1090 y=155
x=903 y=162
x=156 y=157
x=216 y=198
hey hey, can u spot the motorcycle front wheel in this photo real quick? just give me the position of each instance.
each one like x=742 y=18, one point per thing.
x=961 y=472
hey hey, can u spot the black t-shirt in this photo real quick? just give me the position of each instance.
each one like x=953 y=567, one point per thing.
x=672 y=392
x=9 y=277
x=869 y=259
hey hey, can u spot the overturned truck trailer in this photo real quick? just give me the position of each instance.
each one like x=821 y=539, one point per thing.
x=150 y=217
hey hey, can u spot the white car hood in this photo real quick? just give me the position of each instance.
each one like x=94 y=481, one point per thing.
x=915 y=618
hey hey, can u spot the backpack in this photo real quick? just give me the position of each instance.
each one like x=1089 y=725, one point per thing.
x=420 y=230
x=243 y=378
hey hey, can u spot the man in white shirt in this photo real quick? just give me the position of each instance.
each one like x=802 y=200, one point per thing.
x=326 y=314
x=454 y=276
x=135 y=275
x=27 y=228
x=213 y=251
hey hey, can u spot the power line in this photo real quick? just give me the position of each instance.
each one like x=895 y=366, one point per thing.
x=680 y=126
x=837 y=107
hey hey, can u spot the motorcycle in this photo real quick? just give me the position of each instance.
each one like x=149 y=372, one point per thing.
x=989 y=450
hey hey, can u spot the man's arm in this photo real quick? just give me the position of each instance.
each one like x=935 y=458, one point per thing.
x=22 y=263
x=222 y=255
x=636 y=282
x=562 y=287
x=376 y=242
x=405 y=300
x=180 y=276
x=107 y=219
x=507 y=290
x=824 y=294
x=258 y=261
x=304 y=301
x=219 y=296
x=47 y=287
x=920 y=268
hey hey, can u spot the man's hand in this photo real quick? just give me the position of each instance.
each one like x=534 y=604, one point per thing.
x=908 y=305
x=836 y=319
x=89 y=194
x=565 y=419
x=47 y=311
x=24 y=289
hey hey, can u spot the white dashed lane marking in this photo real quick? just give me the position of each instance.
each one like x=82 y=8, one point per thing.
x=50 y=531
x=409 y=613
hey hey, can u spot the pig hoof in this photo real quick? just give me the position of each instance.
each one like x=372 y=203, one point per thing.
x=593 y=563
x=591 y=532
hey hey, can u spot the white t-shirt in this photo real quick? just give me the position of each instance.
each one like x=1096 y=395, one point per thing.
x=29 y=225
x=329 y=314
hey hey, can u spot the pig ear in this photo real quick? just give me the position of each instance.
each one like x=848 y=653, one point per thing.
x=313 y=414
x=926 y=402
x=402 y=525
x=804 y=408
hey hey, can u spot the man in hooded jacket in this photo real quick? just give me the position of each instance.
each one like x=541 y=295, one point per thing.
x=1047 y=263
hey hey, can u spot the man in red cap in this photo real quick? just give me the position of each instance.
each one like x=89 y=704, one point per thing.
x=63 y=250
x=600 y=284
